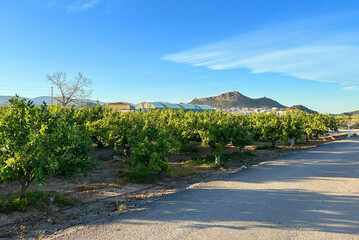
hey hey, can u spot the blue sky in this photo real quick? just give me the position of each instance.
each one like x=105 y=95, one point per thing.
x=296 y=52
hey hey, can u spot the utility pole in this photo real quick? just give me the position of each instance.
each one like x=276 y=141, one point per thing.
x=347 y=121
x=52 y=95
x=348 y=130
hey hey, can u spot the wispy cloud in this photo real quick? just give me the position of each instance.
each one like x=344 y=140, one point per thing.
x=350 y=88
x=81 y=5
x=312 y=49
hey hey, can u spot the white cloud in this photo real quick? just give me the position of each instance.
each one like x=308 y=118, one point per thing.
x=305 y=50
x=350 y=88
x=81 y=5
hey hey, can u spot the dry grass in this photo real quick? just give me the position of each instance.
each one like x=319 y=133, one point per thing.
x=132 y=197
x=91 y=192
x=89 y=187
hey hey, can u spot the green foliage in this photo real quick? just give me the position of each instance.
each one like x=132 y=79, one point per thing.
x=88 y=116
x=140 y=175
x=35 y=200
x=267 y=127
x=237 y=154
x=39 y=142
x=218 y=129
x=181 y=171
x=319 y=124
x=293 y=125
x=204 y=162
x=263 y=147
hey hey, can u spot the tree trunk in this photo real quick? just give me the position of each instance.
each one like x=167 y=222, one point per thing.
x=23 y=186
x=126 y=151
x=99 y=144
x=212 y=144
x=273 y=144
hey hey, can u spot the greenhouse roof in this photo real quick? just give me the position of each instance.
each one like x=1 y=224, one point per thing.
x=163 y=105
x=158 y=105
x=205 y=107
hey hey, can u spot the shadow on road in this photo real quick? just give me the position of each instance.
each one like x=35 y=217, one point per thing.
x=265 y=208
x=250 y=200
x=330 y=161
x=244 y=207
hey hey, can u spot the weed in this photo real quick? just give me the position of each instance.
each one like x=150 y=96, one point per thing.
x=140 y=175
x=189 y=149
x=34 y=200
x=122 y=208
x=263 y=147
x=234 y=155
x=92 y=187
x=182 y=171
x=204 y=162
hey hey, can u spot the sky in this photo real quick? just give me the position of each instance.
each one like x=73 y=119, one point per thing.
x=293 y=51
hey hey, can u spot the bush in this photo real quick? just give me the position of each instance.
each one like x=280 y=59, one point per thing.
x=263 y=147
x=35 y=200
x=12 y=204
x=204 y=162
x=140 y=175
x=182 y=171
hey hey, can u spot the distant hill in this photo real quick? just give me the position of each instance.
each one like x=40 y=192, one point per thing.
x=302 y=108
x=3 y=100
x=236 y=99
x=37 y=100
x=353 y=113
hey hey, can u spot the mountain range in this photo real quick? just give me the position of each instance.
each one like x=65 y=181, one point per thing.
x=37 y=100
x=353 y=113
x=238 y=100
x=222 y=101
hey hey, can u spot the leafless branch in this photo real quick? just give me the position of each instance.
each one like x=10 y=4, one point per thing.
x=68 y=92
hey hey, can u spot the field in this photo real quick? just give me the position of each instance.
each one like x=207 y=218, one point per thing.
x=125 y=156
x=106 y=189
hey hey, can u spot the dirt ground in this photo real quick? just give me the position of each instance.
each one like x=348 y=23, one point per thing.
x=105 y=190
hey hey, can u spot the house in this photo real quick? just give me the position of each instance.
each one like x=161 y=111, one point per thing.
x=120 y=106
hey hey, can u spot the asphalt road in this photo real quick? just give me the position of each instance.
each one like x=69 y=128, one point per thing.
x=310 y=195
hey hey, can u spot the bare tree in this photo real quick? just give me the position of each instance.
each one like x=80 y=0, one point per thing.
x=68 y=92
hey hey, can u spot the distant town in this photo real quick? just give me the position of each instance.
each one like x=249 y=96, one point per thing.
x=248 y=111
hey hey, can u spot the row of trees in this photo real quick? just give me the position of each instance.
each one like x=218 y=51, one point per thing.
x=38 y=142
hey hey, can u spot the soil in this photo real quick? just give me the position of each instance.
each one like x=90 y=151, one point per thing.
x=105 y=190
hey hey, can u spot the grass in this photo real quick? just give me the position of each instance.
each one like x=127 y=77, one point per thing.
x=140 y=175
x=35 y=200
x=205 y=162
x=189 y=149
x=122 y=208
x=188 y=167
x=90 y=187
x=235 y=155
x=263 y=147
x=179 y=172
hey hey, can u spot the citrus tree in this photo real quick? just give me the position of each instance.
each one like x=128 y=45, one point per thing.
x=218 y=129
x=293 y=125
x=267 y=127
x=319 y=124
x=89 y=115
x=36 y=143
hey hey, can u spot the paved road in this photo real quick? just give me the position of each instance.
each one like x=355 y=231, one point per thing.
x=310 y=195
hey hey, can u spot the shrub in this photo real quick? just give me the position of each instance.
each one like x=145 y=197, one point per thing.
x=140 y=175
x=35 y=200
x=263 y=147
